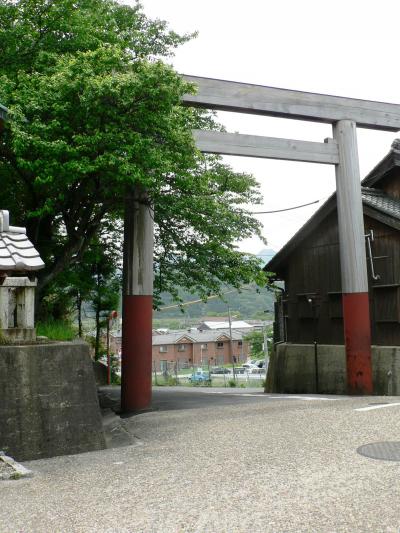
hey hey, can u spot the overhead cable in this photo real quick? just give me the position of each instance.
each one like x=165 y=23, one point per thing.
x=287 y=209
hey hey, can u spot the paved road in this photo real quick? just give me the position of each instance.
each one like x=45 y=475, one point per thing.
x=223 y=461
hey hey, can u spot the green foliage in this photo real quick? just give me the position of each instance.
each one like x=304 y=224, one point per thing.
x=93 y=113
x=232 y=383
x=115 y=378
x=168 y=323
x=56 y=330
x=256 y=341
x=250 y=302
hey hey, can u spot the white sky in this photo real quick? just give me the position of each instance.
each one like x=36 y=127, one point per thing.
x=346 y=48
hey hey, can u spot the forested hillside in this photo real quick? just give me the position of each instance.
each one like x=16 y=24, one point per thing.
x=251 y=303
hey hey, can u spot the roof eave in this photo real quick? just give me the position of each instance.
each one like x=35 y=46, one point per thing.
x=388 y=163
x=274 y=264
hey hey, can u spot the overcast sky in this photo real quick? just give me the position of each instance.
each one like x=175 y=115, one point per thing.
x=345 y=48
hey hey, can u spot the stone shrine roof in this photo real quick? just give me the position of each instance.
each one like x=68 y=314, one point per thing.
x=17 y=253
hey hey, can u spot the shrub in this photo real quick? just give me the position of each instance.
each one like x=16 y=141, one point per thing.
x=56 y=330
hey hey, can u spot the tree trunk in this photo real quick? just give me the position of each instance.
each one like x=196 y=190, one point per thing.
x=97 y=344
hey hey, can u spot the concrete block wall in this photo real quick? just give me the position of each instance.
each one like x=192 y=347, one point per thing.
x=48 y=401
x=292 y=369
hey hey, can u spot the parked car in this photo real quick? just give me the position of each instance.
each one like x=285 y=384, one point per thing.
x=220 y=370
x=200 y=377
x=248 y=366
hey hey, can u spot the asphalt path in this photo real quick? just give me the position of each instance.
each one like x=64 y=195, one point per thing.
x=223 y=461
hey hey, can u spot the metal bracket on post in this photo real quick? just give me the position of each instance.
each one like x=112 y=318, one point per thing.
x=370 y=238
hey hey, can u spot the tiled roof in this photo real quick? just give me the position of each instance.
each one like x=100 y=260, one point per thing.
x=195 y=337
x=17 y=253
x=376 y=199
x=382 y=202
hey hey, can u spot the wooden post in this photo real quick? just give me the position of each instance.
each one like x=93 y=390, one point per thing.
x=357 y=327
x=137 y=302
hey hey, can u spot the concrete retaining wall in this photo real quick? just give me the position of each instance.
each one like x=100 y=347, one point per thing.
x=48 y=401
x=292 y=369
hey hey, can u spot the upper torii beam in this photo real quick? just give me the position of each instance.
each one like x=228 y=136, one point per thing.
x=345 y=114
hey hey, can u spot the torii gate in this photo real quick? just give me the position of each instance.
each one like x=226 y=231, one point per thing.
x=345 y=114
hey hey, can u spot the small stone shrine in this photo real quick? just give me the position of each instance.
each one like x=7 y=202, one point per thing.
x=18 y=261
x=48 y=396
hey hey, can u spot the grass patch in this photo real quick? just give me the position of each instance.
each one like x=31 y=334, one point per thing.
x=56 y=330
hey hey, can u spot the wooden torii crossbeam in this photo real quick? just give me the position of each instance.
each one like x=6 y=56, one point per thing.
x=345 y=114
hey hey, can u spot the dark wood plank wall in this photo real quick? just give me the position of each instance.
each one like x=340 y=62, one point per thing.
x=391 y=185
x=312 y=302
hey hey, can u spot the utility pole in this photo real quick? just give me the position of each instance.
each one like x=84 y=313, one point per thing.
x=231 y=342
x=137 y=301
x=266 y=355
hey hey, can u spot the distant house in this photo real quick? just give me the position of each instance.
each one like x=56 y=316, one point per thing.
x=191 y=348
x=311 y=304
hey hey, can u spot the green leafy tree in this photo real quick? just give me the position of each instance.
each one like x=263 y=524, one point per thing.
x=94 y=110
x=94 y=282
x=256 y=341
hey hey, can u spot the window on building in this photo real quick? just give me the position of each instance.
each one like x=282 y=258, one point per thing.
x=163 y=349
x=204 y=346
x=181 y=347
x=220 y=344
x=240 y=343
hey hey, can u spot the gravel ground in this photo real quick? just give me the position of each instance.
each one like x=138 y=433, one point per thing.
x=227 y=463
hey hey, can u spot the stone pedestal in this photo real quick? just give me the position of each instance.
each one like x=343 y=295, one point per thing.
x=48 y=401
x=292 y=369
x=17 y=309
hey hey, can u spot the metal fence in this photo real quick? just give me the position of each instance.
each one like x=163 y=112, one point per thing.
x=176 y=373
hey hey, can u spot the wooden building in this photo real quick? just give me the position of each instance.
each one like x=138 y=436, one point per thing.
x=310 y=307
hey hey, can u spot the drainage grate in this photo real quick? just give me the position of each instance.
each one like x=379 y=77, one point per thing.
x=386 y=451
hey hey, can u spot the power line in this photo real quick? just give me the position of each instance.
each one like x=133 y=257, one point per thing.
x=183 y=304
x=287 y=209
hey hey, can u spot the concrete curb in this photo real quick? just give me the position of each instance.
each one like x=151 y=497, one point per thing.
x=18 y=471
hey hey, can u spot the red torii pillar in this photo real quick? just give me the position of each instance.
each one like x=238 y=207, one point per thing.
x=356 y=317
x=137 y=302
